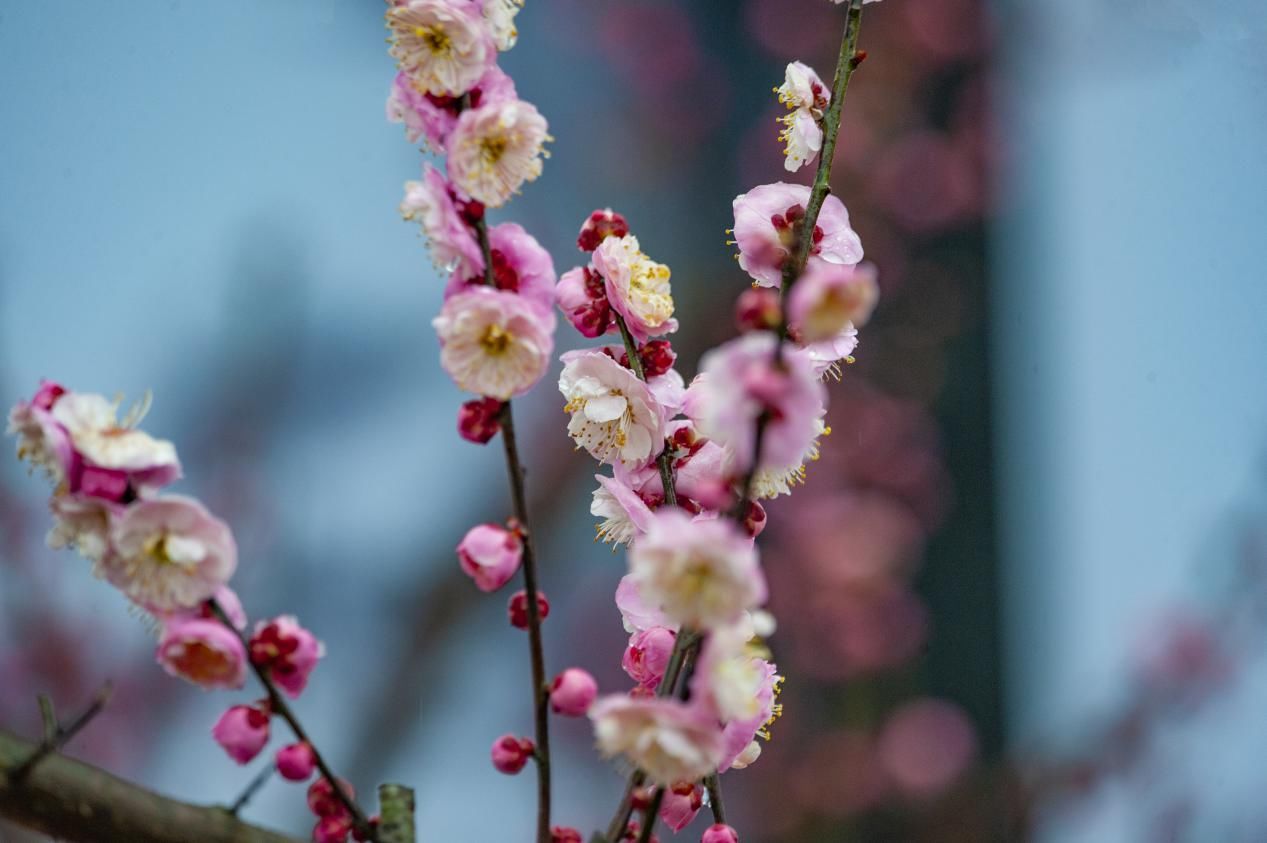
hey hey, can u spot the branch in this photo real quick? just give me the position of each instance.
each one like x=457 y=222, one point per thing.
x=56 y=735
x=78 y=803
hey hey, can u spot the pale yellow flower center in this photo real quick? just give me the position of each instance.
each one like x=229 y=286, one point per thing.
x=435 y=39
x=496 y=340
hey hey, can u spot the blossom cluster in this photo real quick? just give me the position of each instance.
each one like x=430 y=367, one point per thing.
x=168 y=555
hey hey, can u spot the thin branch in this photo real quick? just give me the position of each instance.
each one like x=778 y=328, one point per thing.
x=713 y=785
x=650 y=816
x=279 y=706
x=57 y=736
x=78 y=803
x=248 y=793
x=664 y=460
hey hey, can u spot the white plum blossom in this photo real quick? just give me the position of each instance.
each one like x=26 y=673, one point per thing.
x=615 y=416
x=500 y=16
x=443 y=46
x=806 y=98
x=670 y=741
x=495 y=148
x=494 y=343
x=637 y=287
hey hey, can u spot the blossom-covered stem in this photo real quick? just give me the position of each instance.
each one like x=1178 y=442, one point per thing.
x=540 y=690
x=713 y=785
x=277 y=704
x=664 y=461
x=845 y=66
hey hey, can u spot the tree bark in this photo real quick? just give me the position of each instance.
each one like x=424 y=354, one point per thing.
x=78 y=803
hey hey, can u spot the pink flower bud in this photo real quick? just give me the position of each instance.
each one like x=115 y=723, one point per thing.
x=361 y=837
x=287 y=651
x=681 y=803
x=720 y=834
x=657 y=357
x=647 y=656
x=757 y=309
x=332 y=830
x=601 y=225
x=510 y=753
x=203 y=652
x=631 y=833
x=572 y=692
x=517 y=608
x=479 y=420
x=564 y=834
x=46 y=396
x=754 y=518
x=582 y=297
x=324 y=802
x=242 y=731
x=296 y=762
x=490 y=555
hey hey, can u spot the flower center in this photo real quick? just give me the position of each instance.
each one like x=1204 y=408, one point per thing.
x=496 y=340
x=435 y=39
x=492 y=148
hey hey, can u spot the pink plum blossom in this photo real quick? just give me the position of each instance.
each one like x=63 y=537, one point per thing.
x=295 y=762
x=625 y=514
x=434 y=204
x=739 y=381
x=42 y=440
x=510 y=754
x=582 y=296
x=647 y=656
x=806 y=98
x=287 y=651
x=83 y=523
x=495 y=148
x=614 y=414
x=637 y=287
x=202 y=651
x=572 y=692
x=242 y=732
x=702 y=574
x=494 y=343
x=825 y=357
x=431 y=117
x=719 y=833
x=669 y=740
x=772 y=481
x=768 y=220
x=112 y=457
x=168 y=553
x=443 y=46
x=829 y=298
x=635 y=611
x=499 y=15
x=758 y=309
x=520 y=266
x=680 y=805
x=490 y=555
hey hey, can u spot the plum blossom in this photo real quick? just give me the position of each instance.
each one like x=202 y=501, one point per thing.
x=825 y=357
x=490 y=555
x=702 y=574
x=740 y=687
x=495 y=148
x=830 y=298
x=739 y=381
x=647 y=656
x=202 y=651
x=582 y=296
x=806 y=98
x=287 y=651
x=443 y=46
x=669 y=740
x=500 y=17
x=434 y=205
x=429 y=117
x=625 y=514
x=494 y=343
x=681 y=804
x=768 y=221
x=770 y=482
x=83 y=523
x=520 y=265
x=636 y=612
x=168 y=553
x=42 y=440
x=242 y=731
x=637 y=287
x=615 y=416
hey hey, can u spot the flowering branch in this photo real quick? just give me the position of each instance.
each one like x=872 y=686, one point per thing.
x=278 y=705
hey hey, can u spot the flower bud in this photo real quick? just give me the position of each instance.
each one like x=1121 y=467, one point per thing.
x=647 y=656
x=564 y=834
x=242 y=731
x=490 y=555
x=324 y=802
x=287 y=651
x=601 y=225
x=680 y=805
x=572 y=692
x=754 y=518
x=295 y=762
x=332 y=830
x=479 y=420
x=362 y=837
x=517 y=608
x=631 y=833
x=204 y=652
x=510 y=753
x=657 y=357
x=582 y=296
x=720 y=834
x=757 y=309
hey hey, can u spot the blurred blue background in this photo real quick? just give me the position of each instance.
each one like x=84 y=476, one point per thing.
x=201 y=199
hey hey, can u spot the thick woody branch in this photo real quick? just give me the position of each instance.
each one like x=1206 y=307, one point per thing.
x=75 y=802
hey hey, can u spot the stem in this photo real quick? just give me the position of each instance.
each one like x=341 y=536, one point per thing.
x=664 y=461
x=650 y=816
x=55 y=735
x=279 y=706
x=540 y=693
x=713 y=785
x=251 y=789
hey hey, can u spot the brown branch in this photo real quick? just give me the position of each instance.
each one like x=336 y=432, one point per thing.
x=75 y=802
x=56 y=735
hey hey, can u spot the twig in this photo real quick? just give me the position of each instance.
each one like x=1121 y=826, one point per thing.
x=251 y=789
x=664 y=460
x=56 y=737
x=519 y=502
x=713 y=785
x=650 y=816
x=279 y=706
